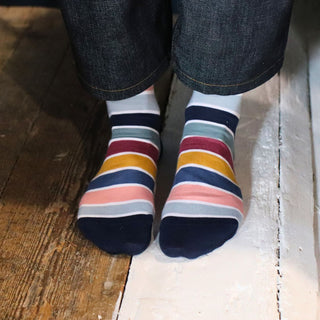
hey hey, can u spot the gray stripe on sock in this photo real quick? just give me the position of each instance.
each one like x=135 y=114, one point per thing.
x=115 y=210
x=198 y=210
x=209 y=131
x=140 y=133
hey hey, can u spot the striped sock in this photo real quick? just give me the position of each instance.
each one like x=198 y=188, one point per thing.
x=204 y=207
x=116 y=212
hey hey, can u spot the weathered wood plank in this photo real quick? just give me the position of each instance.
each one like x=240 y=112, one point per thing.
x=298 y=287
x=239 y=279
x=13 y=24
x=37 y=48
x=48 y=270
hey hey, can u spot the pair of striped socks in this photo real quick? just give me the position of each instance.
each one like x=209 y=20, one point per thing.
x=204 y=207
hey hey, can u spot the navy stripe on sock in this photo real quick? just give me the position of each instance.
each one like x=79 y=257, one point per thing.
x=123 y=176
x=137 y=119
x=208 y=177
x=213 y=115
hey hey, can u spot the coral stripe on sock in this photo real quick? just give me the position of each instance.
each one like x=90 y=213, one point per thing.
x=117 y=194
x=196 y=192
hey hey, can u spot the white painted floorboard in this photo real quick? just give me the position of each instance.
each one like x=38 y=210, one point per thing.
x=298 y=269
x=268 y=271
x=314 y=81
x=241 y=277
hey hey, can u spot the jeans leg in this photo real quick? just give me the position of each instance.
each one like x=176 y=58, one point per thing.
x=229 y=46
x=121 y=47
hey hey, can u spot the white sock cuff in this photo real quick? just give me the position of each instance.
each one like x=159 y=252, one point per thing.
x=142 y=102
x=229 y=103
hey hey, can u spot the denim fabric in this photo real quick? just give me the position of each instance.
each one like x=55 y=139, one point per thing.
x=221 y=47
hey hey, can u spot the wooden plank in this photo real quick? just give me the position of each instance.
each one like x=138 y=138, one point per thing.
x=37 y=48
x=13 y=24
x=240 y=278
x=298 y=286
x=314 y=82
x=48 y=270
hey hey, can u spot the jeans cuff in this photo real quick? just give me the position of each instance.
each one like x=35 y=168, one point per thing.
x=229 y=89
x=118 y=94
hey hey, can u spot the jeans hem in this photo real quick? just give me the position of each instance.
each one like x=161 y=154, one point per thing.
x=118 y=94
x=229 y=89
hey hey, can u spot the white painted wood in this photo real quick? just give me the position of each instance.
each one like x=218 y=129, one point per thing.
x=298 y=269
x=314 y=82
x=238 y=280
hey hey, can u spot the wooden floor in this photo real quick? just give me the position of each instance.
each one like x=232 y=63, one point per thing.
x=53 y=138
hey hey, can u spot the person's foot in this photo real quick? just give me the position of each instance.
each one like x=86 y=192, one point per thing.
x=204 y=207
x=116 y=212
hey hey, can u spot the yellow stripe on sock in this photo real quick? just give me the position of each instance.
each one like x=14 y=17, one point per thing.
x=207 y=160
x=129 y=160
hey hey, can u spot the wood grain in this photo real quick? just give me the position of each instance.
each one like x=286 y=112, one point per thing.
x=13 y=25
x=53 y=139
x=30 y=56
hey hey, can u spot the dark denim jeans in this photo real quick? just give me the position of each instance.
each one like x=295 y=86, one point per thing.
x=224 y=47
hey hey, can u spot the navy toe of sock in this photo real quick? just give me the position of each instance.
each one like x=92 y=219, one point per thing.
x=193 y=237
x=126 y=235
